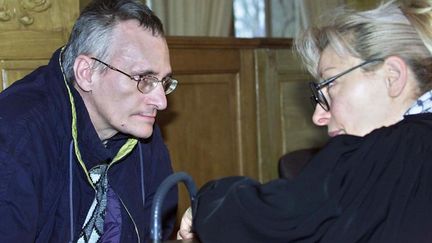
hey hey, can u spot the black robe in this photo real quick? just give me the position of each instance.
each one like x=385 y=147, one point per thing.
x=376 y=188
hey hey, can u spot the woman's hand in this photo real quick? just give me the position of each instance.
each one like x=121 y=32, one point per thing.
x=185 y=231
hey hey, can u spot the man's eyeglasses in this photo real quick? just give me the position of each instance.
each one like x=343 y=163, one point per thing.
x=317 y=95
x=146 y=83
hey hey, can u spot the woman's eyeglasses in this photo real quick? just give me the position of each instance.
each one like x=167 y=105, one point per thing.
x=317 y=95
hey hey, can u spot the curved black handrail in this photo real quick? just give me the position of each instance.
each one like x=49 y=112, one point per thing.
x=164 y=187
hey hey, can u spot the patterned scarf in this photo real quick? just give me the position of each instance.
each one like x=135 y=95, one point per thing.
x=94 y=224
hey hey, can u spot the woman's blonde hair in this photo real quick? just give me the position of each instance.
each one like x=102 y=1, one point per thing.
x=394 y=28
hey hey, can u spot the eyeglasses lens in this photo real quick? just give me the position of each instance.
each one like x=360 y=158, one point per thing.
x=318 y=97
x=147 y=84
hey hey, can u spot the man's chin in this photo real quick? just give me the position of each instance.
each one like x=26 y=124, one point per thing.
x=142 y=133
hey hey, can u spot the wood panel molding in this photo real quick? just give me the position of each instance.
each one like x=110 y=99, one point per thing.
x=24 y=11
x=33 y=29
x=10 y=71
x=177 y=42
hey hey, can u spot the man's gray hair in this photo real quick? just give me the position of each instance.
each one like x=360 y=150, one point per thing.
x=93 y=30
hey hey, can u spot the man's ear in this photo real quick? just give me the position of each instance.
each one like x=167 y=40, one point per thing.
x=83 y=72
x=396 y=75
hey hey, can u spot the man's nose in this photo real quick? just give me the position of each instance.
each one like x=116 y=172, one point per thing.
x=158 y=97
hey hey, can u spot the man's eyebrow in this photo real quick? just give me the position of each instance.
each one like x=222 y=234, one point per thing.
x=152 y=73
x=145 y=72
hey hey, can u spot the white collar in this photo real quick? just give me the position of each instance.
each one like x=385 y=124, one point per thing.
x=421 y=105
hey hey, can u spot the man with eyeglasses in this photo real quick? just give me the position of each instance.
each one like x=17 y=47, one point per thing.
x=80 y=154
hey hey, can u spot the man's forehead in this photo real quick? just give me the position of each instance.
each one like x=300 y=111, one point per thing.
x=133 y=28
x=136 y=48
x=134 y=43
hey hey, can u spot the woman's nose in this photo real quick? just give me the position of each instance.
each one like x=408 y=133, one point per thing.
x=320 y=116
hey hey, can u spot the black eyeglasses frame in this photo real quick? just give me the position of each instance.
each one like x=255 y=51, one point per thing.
x=318 y=97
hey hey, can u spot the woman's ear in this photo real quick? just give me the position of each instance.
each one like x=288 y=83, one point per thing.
x=83 y=72
x=396 y=75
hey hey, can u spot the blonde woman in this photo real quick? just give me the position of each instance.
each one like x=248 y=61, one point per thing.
x=373 y=181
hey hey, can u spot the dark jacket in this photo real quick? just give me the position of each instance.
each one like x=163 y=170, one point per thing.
x=374 y=189
x=44 y=191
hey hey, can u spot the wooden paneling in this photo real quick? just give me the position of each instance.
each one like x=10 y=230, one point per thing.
x=296 y=109
x=204 y=60
x=32 y=44
x=284 y=111
x=210 y=124
x=30 y=31
x=14 y=70
x=200 y=126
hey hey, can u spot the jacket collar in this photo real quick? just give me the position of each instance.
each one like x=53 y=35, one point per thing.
x=93 y=150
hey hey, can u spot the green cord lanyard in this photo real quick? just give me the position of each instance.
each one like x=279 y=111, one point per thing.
x=124 y=150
